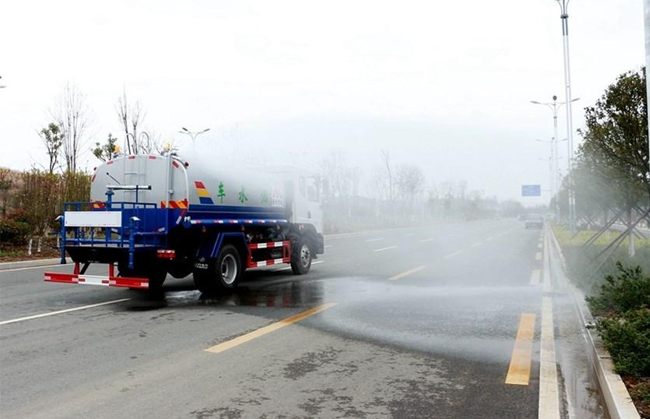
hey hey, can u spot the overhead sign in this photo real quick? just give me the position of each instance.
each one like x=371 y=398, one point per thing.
x=531 y=190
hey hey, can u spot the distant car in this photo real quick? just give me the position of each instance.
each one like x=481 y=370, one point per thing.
x=534 y=221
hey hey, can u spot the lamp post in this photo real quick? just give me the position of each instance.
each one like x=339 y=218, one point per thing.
x=193 y=135
x=554 y=106
x=564 y=16
x=553 y=171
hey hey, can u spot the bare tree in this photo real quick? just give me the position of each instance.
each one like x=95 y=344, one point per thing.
x=73 y=119
x=385 y=158
x=410 y=181
x=131 y=118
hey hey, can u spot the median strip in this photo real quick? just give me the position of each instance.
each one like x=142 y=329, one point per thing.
x=407 y=273
x=519 y=370
x=268 y=329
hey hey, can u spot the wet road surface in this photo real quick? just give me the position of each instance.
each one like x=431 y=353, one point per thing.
x=444 y=321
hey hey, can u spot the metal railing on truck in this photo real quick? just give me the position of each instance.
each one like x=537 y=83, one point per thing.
x=128 y=225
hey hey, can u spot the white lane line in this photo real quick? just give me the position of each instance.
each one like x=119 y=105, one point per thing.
x=407 y=273
x=427 y=240
x=549 y=403
x=374 y=240
x=534 y=277
x=546 y=269
x=476 y=244
x=327 y=246
x=385 y=248
x=30 y=267
x=53 y=313
x=409 y=235
x=453 y=254
x=538 y=256
x=489 y=239
x=539 y=246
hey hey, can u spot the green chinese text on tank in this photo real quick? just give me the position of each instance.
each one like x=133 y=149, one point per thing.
x=242 y=195
x=222 y=193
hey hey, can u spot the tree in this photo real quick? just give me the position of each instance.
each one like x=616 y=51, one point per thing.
x=6 y=183
x=105 y=152
x=616 y=134
x=387 y=172
x=52 y=138
x=131 y=118
x=73 y=119
x=409 y=181
x=614 y=155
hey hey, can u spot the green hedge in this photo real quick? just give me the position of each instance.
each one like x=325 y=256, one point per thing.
x=13 y=232
x=624 y=306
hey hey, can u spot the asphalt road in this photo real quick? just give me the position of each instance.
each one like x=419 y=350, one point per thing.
x=443 y=321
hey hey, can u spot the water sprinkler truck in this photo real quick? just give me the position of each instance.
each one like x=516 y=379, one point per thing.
x=185 y=213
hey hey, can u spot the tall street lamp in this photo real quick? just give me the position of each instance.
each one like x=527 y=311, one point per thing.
x=553 y=170
x=564 y=16
x=554 y=107
x=193 y=135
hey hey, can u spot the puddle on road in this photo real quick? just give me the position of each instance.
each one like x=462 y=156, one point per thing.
x=278 y=294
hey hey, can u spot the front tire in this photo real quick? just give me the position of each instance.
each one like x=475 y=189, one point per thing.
x=301 y=257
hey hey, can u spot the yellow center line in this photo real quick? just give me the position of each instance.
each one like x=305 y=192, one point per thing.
x=407 y=273
x=224 y=346
x=519 y=371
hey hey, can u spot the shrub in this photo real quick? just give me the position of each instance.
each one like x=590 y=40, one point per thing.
x=627 y=338
x=13 y=232
x=629 y=290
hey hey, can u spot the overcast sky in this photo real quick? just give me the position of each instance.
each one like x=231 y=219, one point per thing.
x=444 y=85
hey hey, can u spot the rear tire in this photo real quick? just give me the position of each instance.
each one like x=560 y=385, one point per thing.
x=223 y=274
x=301 y=257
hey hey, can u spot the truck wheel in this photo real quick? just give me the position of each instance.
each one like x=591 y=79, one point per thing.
x=224 y=274
x=301 y=257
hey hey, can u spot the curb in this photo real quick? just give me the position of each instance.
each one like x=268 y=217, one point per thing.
x=617 y=399
x=4 y=266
